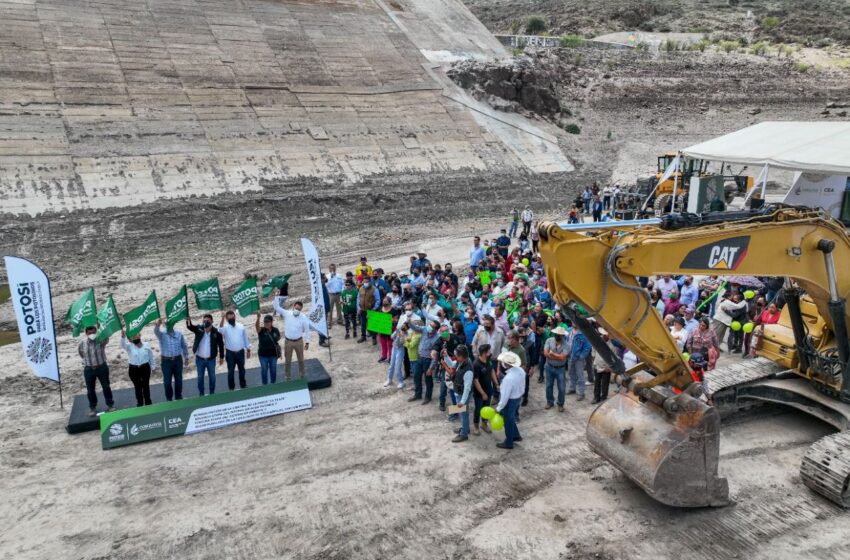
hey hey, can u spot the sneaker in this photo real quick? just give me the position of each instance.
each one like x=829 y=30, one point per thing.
x=400 y=385
x=595 y=401
x=387 y=383
x=560 y=408
x=374 y=342
x=548 y=406
x=486 y=428
x=540 y=380
x=426 y=401
x=111 y=409
x=503 y=445
x=442 y=408
x=414 y=398
x=588 y=382
x=381 y=360
x=476 y=431
x=359 y=340
x=459 y=438
x=92 y=412
x=347 y=336
x=580 y=398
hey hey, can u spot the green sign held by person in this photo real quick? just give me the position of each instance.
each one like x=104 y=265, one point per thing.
x=207 y=295
x=246 y=299
x=177 y=308
x=108 y=320
x=136 y=319
x=82 y=313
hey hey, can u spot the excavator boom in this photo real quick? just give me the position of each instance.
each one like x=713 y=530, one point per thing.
x=666 y=441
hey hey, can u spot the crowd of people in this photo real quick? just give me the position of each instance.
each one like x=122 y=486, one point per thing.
x=478 y=338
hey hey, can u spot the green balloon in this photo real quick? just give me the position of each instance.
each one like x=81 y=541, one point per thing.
x=488 y=412
x=686 y=356
x=749 y=294
x=497 y=423
x=748 y=327
x=735 y=326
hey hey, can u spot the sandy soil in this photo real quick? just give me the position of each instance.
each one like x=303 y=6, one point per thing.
x=367 y=475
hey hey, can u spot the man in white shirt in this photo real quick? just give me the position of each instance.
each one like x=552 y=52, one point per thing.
x=527 y=218
x=484 y=306
x=296 y=331
x=666 y=284
x=236 y=345
x=335 y=285
x=511 y=390
x=141 y=362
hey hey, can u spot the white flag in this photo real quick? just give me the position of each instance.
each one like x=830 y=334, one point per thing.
x=318 y=314
x=30 y=292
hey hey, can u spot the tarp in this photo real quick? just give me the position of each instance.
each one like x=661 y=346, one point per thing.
x=822 y=147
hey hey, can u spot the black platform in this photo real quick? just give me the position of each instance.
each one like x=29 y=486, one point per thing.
x=80 y=421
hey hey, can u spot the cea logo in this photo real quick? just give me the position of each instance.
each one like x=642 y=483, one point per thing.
x=727 y=254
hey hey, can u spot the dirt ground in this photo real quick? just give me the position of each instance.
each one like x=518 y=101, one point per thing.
x=364 y=474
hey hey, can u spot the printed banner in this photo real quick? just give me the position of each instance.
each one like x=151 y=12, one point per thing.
x=30 y=293
x=379 y=322
x=318 y=314
x=199 y=414
x=177 y=308
x=275 y=283
x=207 y=295
x=246 y=299
x=136 y=319
x=108 y=322
x=82 y=313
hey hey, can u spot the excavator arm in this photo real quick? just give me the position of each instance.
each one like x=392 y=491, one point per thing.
x=668 y=442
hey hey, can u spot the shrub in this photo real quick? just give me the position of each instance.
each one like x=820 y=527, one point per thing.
x=802 y=67
x=769 y=22
x=729 y=46
x=570 y=40
x=572 y=128
x=535 y=25
x=515 y=26
x=699 y=45
x=759 y=48
x=517 y=52
x=669 y=46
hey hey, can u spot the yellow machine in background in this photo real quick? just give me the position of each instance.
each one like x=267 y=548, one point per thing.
x=668 y=441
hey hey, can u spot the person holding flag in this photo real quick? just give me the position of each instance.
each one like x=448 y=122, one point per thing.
x=296 y=330
x=174 y=353
x=95 y=368
x=141 y=365
x=208 y=341
x=236 y=345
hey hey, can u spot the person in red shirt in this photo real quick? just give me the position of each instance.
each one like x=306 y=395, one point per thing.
x=770 y=316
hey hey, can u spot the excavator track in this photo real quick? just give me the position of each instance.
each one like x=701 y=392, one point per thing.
x=826 y=468
x=738 y=373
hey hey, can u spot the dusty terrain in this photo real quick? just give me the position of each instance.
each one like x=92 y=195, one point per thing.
x=364 y=474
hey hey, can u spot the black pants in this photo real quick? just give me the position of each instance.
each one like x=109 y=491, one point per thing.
x=350 y=322
x=363 y=326
x=141 y=378
x=589 y=372
x=235 y=360
x=98 y=373
x=406 y=365
x=600 y=385
x=735 y=340
x=479 y=404
x=535 y=243
x=526 y=228
x=527 y=385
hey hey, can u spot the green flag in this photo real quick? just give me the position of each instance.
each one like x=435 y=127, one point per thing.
x=245 y=298
x=82 y=313
x=108 y=321
x=207 y=295
x=177 y=308
x=137 y=318
x=275 y=283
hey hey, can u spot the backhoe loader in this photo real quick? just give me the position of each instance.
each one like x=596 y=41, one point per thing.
x=657 y=428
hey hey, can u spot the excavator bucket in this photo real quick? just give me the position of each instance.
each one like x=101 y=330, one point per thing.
x=669 y=450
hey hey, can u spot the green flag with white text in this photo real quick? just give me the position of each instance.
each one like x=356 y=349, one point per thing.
x=245 y=298
x=274 y=283
x=82 y=313
x=177 y=308
x=108 y=321
x=136 y=319
x=207 y=295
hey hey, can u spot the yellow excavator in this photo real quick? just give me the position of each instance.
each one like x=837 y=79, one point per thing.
x=658 y=429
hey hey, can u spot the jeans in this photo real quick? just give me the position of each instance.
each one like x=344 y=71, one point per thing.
x=141 y=378
x=99 y=373
x=396 y=364
x=511 y=430
x=172 y=368
x=268 y=369
x=479 y=404
x=577 y=379
x=444 y=390
x=205 y=365
x=512 y=231
x=464 y=421
x=234 y=360
x=420 y=368
x=606 y=202
x=553 y=374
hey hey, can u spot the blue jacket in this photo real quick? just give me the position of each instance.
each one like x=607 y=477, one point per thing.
x=580 y=349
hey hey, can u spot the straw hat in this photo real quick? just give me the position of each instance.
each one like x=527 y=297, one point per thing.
x=509 y=359
x=560 y=331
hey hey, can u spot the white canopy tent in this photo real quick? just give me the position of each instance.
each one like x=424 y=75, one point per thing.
x=821 y=147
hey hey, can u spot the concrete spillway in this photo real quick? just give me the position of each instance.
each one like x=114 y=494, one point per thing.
x=120 y=102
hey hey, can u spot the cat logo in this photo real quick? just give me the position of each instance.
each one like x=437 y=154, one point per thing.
x=725 y=255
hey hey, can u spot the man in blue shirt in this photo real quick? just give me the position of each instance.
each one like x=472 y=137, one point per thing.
x=503 y=243
x=476 y=254
x=174 y=353
x=688 y=293
x=579 y=351
x=421 y=261
x=335 y=285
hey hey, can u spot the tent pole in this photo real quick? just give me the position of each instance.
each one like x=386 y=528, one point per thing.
x=764 y=182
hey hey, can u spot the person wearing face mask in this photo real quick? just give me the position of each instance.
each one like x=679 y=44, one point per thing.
x=236 y=346
x=423 y=367
x=142 y=364
x=484 y=306
x=95 y=369
x=173 y=354
x=207 y=341
x=470 y=324
x=445 y=347
x=296 y=331
x=268 y=348
x=488 y=334
x=349 y=307
x=689 y=293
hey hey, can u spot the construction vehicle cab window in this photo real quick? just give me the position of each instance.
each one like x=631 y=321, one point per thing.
x=771 y=286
